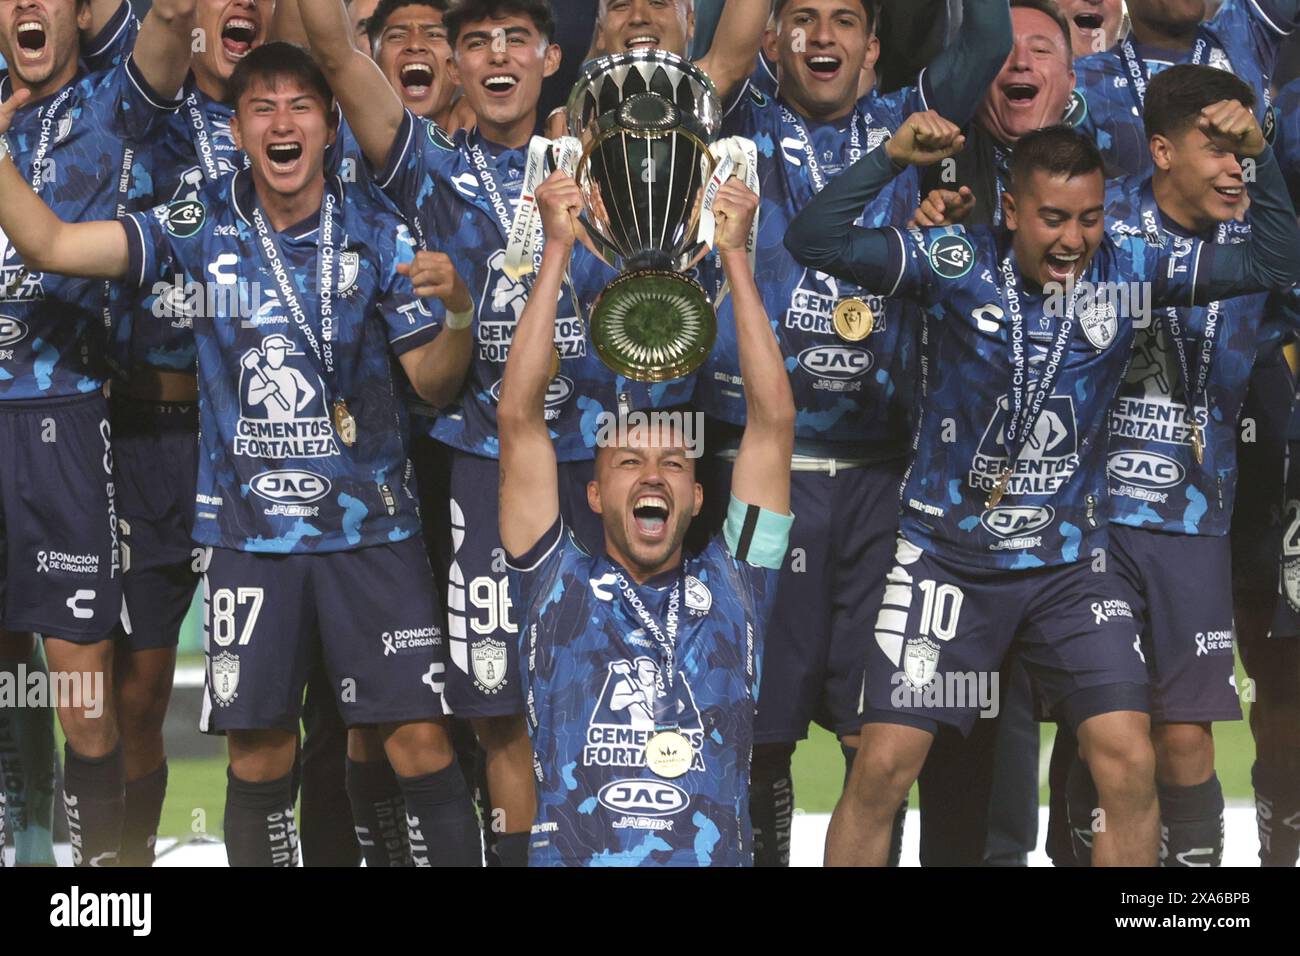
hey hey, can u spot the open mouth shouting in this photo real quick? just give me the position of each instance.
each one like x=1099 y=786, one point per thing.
x=237 y=36
x=823 y=66
x=650 y=515
x=1088 y=22
x=31 y=40
x=283 y=157
x=416 y=78
x=1020 y=94
x=1062 y=267
x=500 y=84
x=642 y=41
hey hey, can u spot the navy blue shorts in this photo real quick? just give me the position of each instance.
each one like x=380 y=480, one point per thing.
x=155 y=450
x=59 y=569
x=370 y=615
x=1286 y=616
x=1261 y=477
x=841 y=548
x=945 y=627
x=459 y=508
x=1178 y=587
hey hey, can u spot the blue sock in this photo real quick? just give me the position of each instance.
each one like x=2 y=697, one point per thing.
x=378 y=812
x=260 y=828
x=1277 y=814
x=440 y=823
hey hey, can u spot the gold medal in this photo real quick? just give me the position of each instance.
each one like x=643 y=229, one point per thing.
x=555 y=364
x=999 y=489
x=668 y=754
x=1198 y=445
x=344 y=423
x=853 y=319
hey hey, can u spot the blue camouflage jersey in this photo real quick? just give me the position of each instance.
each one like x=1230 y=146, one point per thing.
x=1243 y=38
x=275 y=475
x=83 y=149
x=445 y=188
x=1155 y=480
x=596 y=694
x=1287 y=142
x=844 y=391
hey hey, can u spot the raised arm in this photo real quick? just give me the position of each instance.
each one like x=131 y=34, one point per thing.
x=762 y=473
x=530 y=499
x=959 y=76
x=371 y=106
x=437 y=369
x=1270 y=259
x=736 y=43
x=45 y=243
x=823 y=235
x=162 y=50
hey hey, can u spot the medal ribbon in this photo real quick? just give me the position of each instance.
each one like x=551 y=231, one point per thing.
x=1022 y=417
x=1137 y=77
x=326 y=269
x=201 y=135
x=525 y=236
x=665 y=637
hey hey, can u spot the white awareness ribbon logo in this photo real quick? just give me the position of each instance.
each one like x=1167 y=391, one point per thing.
x=1201 y=649
x=1098 y=613
x=388 y=644
x=42 y=562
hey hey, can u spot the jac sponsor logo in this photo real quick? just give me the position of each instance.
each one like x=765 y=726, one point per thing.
x=557 y=392
x=835 y=361
x=1145 y=468
x=1012 y=521
x=298 y=487
x=647 y=798
x=11 y=330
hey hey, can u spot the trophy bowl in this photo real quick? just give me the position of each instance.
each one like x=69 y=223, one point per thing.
x=645 y=120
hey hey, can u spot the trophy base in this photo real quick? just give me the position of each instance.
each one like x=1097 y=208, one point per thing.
x=653 y=325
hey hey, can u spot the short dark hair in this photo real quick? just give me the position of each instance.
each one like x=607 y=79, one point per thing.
x=870 y=7
x=1055 y=150
x=376 y=22
x=1176 y=96
x=1049 y=8
x=272 y=63
x=473 y=11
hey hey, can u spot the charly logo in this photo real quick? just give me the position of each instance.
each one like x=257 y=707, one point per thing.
x=11 y=331
x=289 y=485
x=185 y=217
x=951 y=256
x=1145 y=468
x=1011 y=521
x=647 y=798
x=841 y=362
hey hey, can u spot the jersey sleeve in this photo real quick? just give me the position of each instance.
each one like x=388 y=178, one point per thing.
x=407 y=178
x=1266 y=22
x=114 y=42
x=411 y=321
x=538 y=581
x=130 y=106
x=151 y=256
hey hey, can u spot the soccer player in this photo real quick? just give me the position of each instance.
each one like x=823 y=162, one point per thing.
x=1172 y=460
x=460 y=195
x=852 y=381
x=63 y=576
x=641 y=663
x=1004 y=504
x=359 y=13
x=323 y=554
x=409 y=42
x=1243 y=37
x=1095 y=25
